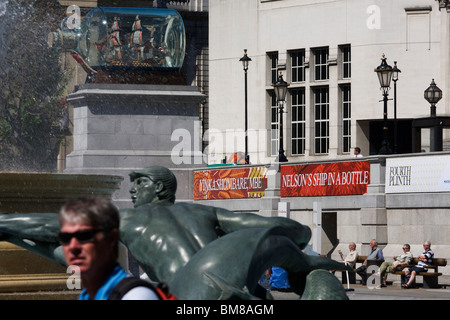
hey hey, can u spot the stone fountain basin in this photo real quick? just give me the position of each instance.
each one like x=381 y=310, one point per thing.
x=46 y=192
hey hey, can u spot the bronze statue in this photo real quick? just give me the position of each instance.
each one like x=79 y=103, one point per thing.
x=202 y=252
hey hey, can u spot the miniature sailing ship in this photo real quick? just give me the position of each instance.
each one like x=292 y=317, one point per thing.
x=136 y=41
x=142 y=44
x=114 y=45
x=111 y=46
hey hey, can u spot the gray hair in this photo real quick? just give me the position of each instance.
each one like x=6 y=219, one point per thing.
x=95 y=211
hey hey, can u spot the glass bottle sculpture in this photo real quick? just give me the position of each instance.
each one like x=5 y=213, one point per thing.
x=124 y=38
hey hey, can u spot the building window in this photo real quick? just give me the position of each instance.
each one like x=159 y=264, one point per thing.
x=298 y=121
x=273 y=124
x=297 y=66
x=346 y=106
x=273 y=66
x=321 y=120
x=320 y=63
x=346 y=61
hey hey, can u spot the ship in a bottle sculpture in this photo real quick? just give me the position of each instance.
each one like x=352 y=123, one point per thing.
x=110 y=38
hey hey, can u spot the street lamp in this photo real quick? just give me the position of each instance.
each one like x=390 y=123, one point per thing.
x=433 y=94
x=395 y=72
x=280 y=87
x=384 y=72
x=245 y=61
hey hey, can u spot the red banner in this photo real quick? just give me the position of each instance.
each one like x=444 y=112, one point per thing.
x=325 y=179
x=230 y=183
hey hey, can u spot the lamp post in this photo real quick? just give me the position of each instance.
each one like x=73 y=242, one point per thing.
x=245 y=61
x=395 y=72
x=384 y=72
x=280 y=87
x=433 y=94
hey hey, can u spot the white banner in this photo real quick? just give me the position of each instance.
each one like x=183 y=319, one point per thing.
x=418 y=174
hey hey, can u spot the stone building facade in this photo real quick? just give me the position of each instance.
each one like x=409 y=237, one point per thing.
x=327 y=52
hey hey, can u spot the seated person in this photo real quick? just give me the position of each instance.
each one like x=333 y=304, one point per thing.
x=351 y=257
x=398 y=264
x=374 y=254
x=425 y=260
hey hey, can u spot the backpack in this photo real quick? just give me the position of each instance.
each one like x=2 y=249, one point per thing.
x=128 y=283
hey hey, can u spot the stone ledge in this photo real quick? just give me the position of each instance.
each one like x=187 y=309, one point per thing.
x=16 y=260
x=33 y=282
x=41 y=295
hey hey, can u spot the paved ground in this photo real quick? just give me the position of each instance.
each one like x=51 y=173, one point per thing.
x=391 y=292
x=397 y=293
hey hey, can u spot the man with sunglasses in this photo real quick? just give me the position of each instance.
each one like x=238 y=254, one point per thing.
x=89 y=237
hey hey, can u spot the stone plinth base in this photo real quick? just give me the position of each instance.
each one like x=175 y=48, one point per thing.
x=122 y=127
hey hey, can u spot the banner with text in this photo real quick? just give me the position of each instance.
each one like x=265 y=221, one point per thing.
x=325 y=179
x=418 y=174
x=230 y=183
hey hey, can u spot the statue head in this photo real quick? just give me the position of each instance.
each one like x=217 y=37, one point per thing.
x=152 y=184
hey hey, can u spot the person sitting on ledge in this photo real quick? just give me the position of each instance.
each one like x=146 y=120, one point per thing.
x=357 y=152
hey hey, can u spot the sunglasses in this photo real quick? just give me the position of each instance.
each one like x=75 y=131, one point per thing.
x=81 y=236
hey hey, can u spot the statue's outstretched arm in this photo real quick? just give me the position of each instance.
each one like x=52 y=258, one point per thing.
x=36 y=232
x=33 y=226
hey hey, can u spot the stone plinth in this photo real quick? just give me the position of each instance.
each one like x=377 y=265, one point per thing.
x=120 y=127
